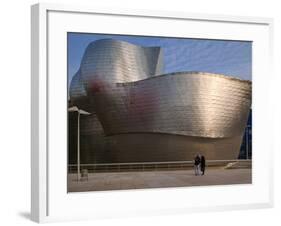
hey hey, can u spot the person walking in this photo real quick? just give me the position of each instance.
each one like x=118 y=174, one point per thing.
x=202 y=164
x=197 y=165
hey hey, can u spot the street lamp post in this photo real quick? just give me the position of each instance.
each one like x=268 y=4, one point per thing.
x=247 y=148
x=79 y=112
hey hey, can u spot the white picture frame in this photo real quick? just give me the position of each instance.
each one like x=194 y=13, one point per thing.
x=49 y=198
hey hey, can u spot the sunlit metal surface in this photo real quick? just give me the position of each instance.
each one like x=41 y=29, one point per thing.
x=117 y=61
x=193 y=104
x=149 y=116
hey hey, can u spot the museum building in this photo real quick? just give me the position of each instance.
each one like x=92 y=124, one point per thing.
x=140 y=114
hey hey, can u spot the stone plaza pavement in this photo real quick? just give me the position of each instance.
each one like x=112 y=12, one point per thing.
x=158 y=179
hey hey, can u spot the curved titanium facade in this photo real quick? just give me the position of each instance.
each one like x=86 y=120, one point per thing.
x=106 y=62
x=151 y=117
x=190 y=104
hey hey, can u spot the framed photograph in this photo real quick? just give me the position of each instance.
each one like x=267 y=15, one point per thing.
x=144 y=112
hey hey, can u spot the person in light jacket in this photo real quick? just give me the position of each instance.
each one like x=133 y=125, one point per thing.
x=197 y=161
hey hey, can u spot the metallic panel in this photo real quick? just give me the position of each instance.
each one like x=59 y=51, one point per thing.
x=186 y=103
x=153 y=147
x=117 y=61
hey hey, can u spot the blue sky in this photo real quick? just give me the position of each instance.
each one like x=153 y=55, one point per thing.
x=215 y=56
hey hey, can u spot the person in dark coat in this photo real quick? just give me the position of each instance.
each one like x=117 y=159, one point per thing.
x=202 y=164
x=197 y=164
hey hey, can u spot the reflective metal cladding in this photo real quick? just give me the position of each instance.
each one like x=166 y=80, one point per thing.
x=150 y=116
